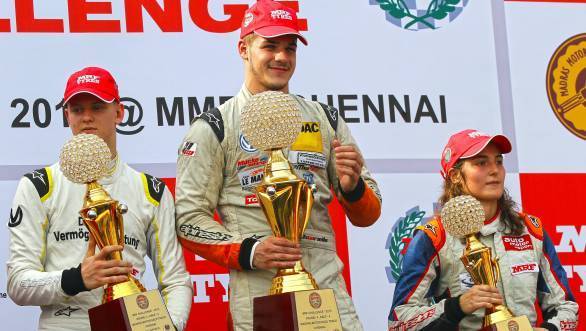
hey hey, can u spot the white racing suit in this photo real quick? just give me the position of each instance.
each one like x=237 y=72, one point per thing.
x=48 y=241
x=218 y=170
x=433 y=277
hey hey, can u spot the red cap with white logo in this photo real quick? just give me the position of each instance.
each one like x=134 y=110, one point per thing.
x=270 y=19
x=93 y=80
x=468 y=143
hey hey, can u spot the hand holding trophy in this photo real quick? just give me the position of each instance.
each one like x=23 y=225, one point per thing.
x=84 y=160
x=463 y=217
x=271 y=121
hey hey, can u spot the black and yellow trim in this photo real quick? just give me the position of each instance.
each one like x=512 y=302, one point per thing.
x=153 y=188
x=42 y=179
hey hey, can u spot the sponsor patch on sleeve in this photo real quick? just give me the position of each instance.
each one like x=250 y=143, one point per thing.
x=524 y=268
x=188 y=148
x=518 y=243
x=568 y=325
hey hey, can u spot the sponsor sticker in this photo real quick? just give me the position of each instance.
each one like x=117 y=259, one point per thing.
x=188 y=148
x=15 y=217
x=518 y=243
x=245 y=145
x=250 y=178
x=253 y=162
x=466 y=281
x=308 y=158
x=524 y=268
x=309 y=139
x=251 y=199
x=568 y=325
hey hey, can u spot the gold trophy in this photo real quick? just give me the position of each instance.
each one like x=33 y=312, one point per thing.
x=84 y=160
x=270 y=122
x=463 y=217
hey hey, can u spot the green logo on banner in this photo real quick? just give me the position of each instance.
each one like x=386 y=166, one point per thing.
x=421 y=14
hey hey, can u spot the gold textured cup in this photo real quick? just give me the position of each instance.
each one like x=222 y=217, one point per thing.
x=272 y=121
x=103 y=217
x=463 y=217
x=286 y=201
x=84 y=159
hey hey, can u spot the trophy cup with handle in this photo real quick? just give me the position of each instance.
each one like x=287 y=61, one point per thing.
x=271 y=121
x=127 y=305
x=463 y=217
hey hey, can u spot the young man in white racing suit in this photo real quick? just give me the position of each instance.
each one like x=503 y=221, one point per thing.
x=53 y=261
x=218 y=171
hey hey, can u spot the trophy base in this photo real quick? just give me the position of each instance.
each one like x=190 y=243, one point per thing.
x=518 y=323
x=296 y=281
x=140 y=311
x=297 y=311
x=117 y=291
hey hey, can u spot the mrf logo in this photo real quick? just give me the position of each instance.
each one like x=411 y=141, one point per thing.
x=399 y=238
x=524 y=268
x=417 y=15
x=566 y=84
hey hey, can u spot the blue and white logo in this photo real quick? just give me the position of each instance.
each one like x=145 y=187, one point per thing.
x=417 y=15
x=246 y=146
x=308 y=177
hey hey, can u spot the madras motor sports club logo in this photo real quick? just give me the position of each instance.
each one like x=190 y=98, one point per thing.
x=566 y=84
x=418 y=15
x=399 y=238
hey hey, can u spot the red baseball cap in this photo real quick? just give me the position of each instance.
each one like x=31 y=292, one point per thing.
x=270 y=19
x=93 y=80
x=468 y=143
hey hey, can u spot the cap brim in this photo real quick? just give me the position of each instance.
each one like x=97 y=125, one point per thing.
x=501 y=142
x=102 y=96
x=277 y=31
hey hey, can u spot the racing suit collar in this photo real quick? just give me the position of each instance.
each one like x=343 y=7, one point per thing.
x=493 y=226
x=245 y=92
x=114 y=170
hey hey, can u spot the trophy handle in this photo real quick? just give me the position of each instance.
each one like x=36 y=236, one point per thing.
x=307 y=199
x=119 y=220
x=497 y=269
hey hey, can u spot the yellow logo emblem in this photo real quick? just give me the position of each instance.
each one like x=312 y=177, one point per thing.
x=566 y=84
x=309 y=139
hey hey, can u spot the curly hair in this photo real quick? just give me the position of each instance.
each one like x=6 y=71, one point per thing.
x=508 y=207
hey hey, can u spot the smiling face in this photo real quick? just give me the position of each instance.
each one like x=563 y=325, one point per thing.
x=484 y=175
x=87 y=113
x=269 y=62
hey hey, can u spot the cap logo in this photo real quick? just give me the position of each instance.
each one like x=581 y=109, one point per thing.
x=248 y=18
x=477 y=134
x=447 y=155
x=281 y=15
x=88 y=79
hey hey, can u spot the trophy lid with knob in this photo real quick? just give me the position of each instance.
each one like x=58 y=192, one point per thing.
x=462 y=216
x=271 y=121
x=84 y=158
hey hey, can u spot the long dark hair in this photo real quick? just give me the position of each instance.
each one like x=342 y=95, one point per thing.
x=508 y=207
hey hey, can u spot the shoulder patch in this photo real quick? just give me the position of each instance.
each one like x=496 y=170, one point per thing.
x=153 y=188
x=533 y=225
x=331 y=114
x=214 y=118
x=43 y=182
x=435 y=231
